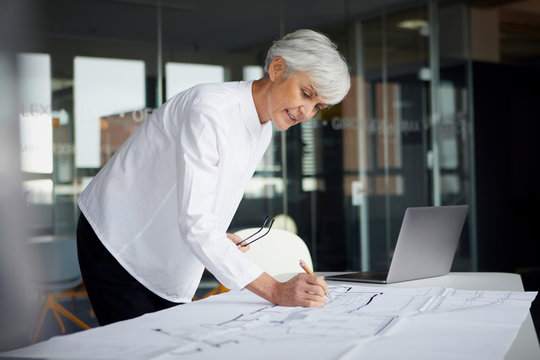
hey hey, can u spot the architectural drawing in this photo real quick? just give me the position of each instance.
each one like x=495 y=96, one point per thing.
x=353 y=313
x=359 y=322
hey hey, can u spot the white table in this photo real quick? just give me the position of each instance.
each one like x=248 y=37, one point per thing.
x=525 y=346
x=165 y=333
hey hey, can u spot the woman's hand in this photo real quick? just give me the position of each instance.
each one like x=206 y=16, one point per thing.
x=236 y=239
x=302 y=290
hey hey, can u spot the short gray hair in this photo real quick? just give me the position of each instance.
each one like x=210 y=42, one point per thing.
x=315 y=54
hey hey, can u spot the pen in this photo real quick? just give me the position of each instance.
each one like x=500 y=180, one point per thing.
x=308 y=271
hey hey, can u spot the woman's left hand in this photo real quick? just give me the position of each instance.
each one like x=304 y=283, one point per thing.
x=236 y=239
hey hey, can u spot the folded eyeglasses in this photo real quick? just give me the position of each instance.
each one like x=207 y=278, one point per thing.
x=241 y=243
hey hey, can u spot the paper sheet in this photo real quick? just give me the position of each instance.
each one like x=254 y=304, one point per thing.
x=358 y=322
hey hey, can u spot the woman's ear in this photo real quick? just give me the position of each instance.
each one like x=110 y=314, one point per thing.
x=276 y=69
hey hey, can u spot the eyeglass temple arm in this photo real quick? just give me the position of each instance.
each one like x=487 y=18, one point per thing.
x=255 y=233
x=263 y=235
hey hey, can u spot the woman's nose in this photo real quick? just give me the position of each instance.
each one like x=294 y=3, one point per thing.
x=308 y=110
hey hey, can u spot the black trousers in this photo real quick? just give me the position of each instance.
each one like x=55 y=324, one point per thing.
x=115 y=295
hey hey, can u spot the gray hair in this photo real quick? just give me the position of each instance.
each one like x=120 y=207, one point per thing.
x=315 y=54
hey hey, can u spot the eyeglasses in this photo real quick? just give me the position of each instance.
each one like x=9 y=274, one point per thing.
x=258 y=231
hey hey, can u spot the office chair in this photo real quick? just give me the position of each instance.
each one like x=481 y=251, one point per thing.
x=279 y=252
x=57 y=277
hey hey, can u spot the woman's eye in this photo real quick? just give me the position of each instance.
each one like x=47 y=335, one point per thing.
x=305 y=94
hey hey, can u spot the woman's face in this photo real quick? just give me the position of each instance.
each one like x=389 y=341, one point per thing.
x=292 y=100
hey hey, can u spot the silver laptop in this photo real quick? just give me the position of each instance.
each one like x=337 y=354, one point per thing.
x=425 y=247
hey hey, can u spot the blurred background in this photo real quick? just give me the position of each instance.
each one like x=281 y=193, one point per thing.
x=442 y=111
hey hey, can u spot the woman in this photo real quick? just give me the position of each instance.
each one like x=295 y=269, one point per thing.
x=157 y=213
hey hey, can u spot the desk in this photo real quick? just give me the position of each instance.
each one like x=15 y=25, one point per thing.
x=209 y=329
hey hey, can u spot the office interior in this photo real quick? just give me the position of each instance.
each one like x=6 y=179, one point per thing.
x=441 y=111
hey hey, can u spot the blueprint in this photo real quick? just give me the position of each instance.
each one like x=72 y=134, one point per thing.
x=353 y=314
x=358 y=322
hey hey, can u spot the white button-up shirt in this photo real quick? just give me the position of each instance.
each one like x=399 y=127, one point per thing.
x=163 y=203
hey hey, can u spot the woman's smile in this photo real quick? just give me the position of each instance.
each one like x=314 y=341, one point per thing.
x=291 y=116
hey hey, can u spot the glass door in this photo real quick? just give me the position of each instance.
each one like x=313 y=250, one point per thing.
x=401 y=138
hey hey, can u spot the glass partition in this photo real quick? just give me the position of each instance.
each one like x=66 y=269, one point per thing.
x=400 y=138
x=103 y=89
x=181 y=76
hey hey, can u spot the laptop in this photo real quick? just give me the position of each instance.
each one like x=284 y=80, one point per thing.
x=425 y=247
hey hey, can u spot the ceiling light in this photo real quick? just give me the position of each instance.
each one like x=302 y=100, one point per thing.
x=413 y=24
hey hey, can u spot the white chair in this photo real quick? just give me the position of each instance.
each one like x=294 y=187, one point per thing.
x=279 y=252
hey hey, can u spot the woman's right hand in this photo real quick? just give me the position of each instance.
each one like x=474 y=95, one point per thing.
x=302 y=290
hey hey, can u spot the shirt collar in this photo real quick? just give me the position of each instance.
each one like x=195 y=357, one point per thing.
x=249 y=112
